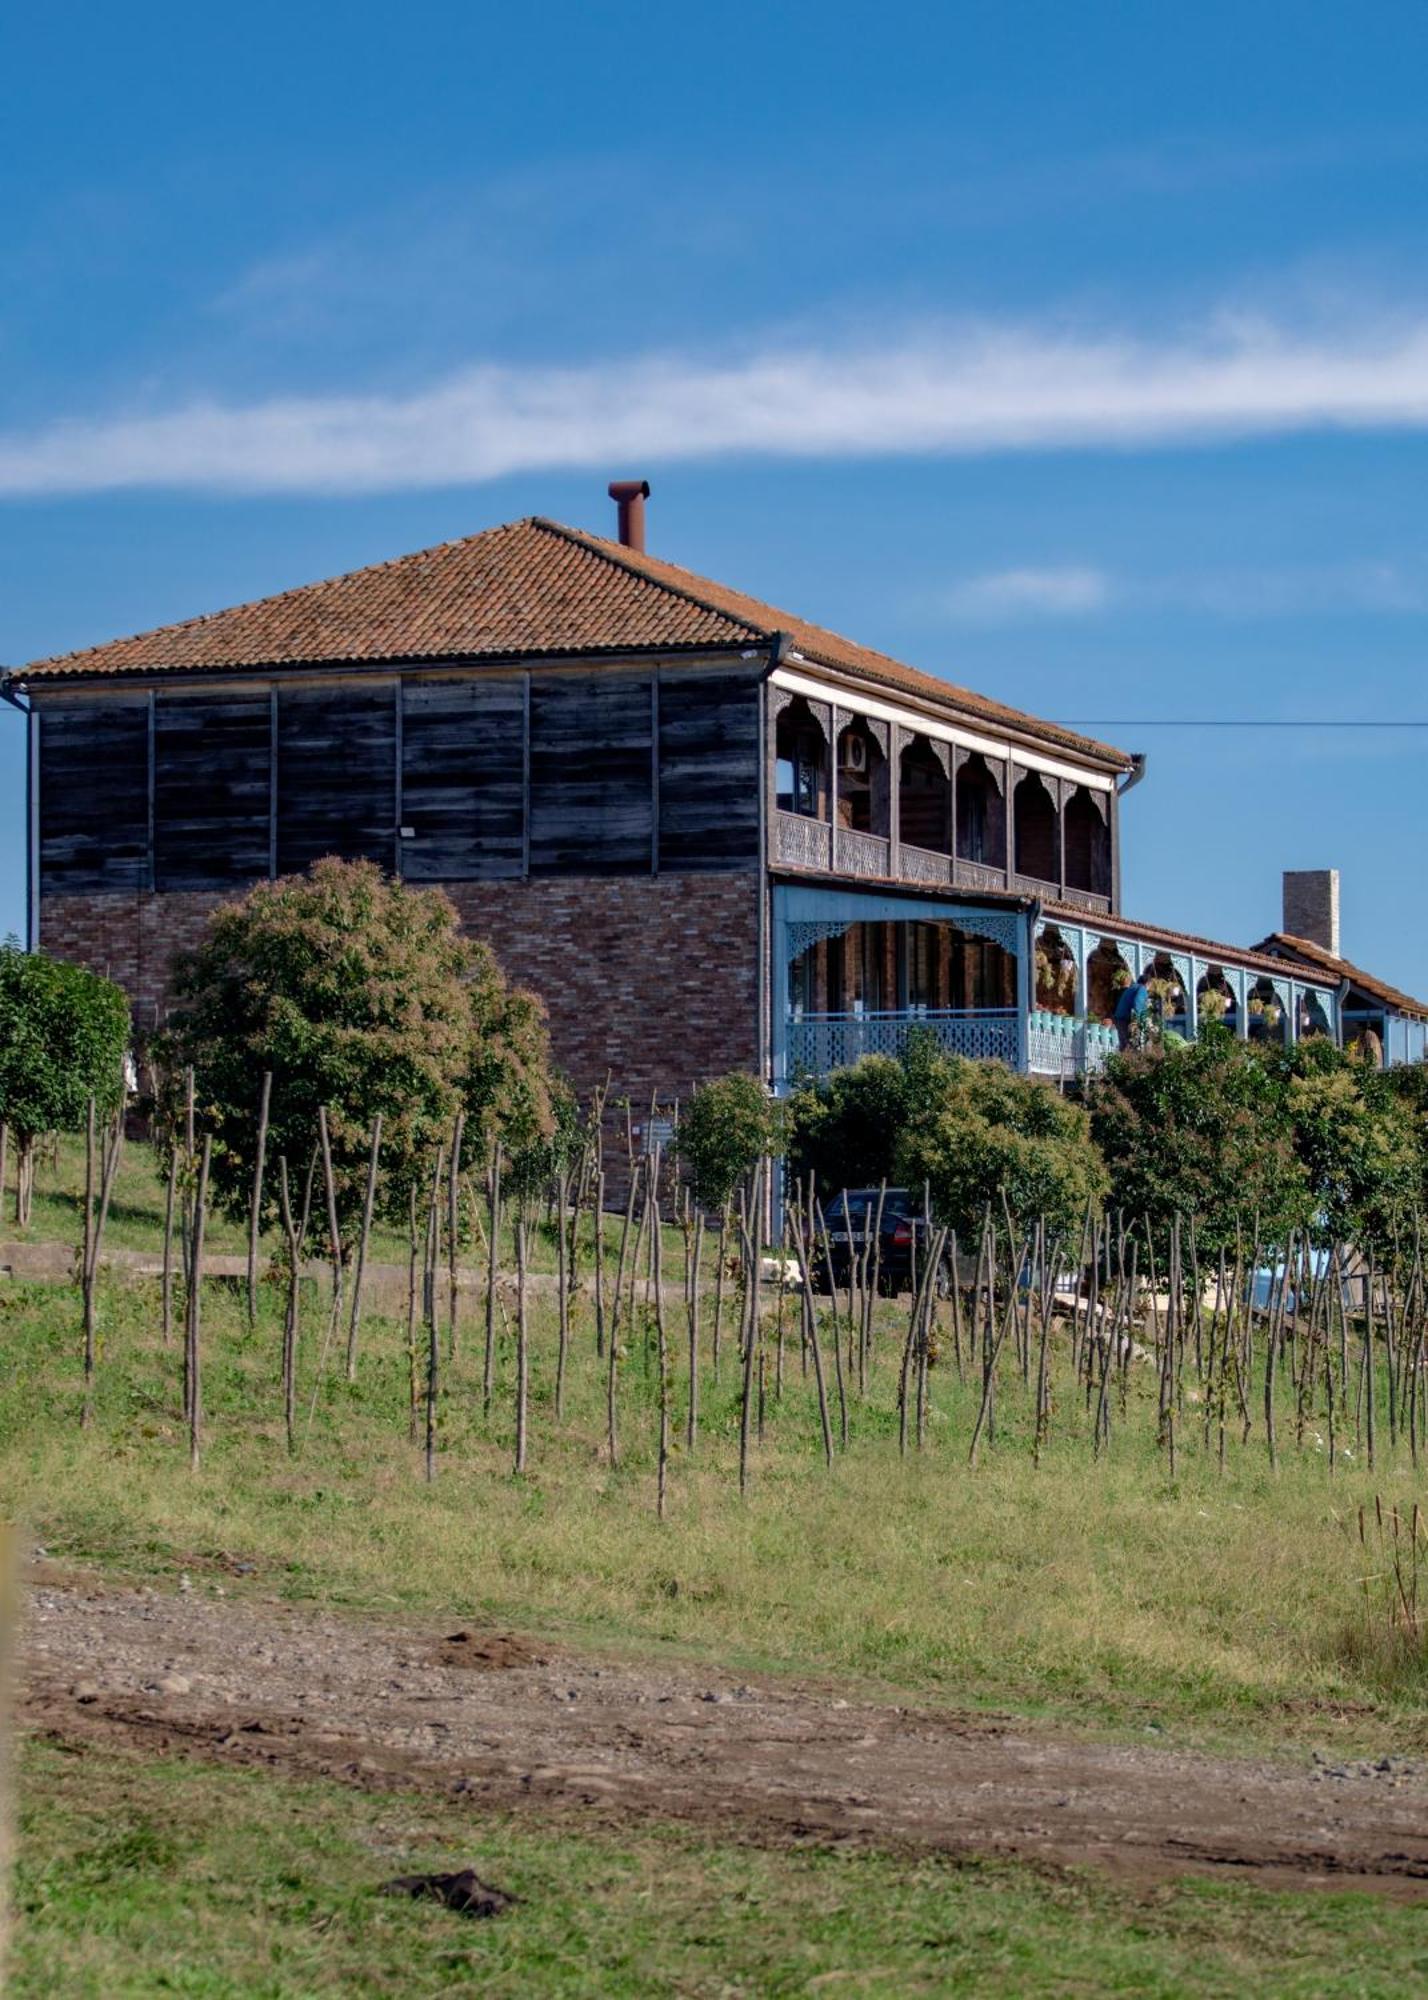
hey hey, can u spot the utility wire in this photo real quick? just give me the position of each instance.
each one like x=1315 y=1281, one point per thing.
x=1233 y=722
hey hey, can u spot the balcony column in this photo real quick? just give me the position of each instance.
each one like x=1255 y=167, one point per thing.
x=1079 y=941
x=1009 y=771
x=1192 y=1001
x=839 y=719
x=1063 y=792
x=897 y=736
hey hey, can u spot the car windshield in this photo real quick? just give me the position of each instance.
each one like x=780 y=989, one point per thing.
x=859 y=1206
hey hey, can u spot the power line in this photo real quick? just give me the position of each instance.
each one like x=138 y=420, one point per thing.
x=1234 y=722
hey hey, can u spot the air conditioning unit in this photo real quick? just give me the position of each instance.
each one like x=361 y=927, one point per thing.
x=855 y=754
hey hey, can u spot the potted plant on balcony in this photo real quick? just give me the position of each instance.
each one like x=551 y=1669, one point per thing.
x=1212 y=1006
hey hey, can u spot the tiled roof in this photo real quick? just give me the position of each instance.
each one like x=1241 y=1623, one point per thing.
x=529 y=589
x=1288 y=946
x=1209 y=949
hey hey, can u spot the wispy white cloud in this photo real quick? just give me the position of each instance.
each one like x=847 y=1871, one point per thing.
x=1004 y=595
x=1070 y=590
x=983 y=388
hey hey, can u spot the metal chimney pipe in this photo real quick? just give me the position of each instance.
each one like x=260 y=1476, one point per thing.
x=630 y=496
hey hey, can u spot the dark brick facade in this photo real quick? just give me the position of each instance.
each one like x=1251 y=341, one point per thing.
x=651 y=981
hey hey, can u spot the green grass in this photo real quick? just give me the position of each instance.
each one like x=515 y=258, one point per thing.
x=1220 y=1608
x=164 y=1877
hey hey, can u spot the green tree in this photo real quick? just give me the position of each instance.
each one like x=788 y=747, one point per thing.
x=846 y=1126
x=360 y=995
x=1357 y=1140
x=1199 y=1129
x=63 y=1037
x=977 y=1132
x=725 y=1129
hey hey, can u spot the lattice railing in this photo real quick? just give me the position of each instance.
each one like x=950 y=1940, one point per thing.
x=978 y=875
x=863 y=853
x=818 y=1043
x=918 y=864
x=800 y=841
x=1061 y=1047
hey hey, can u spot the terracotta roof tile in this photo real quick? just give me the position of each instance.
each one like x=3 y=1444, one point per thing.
x=530 y=589
x=1287 y=945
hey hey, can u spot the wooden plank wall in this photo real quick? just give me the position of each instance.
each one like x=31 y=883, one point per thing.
x=591 y=774
x=708 y=772
x=94 y=794
x=337 y=793
x=212 y=789
x=556 y=773
x=463 y=760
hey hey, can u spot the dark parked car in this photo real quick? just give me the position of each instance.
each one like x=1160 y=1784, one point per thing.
x=851 y=1219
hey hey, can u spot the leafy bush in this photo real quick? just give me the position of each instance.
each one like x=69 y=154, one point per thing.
x=977 y=1133
x=726 y=1128
x=1198 y=1129
x=362 y=995
x=63 y=1037
x=1357 y=1141
x=846 y=1127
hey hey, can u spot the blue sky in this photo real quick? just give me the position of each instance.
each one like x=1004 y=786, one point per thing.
x=1077 y=353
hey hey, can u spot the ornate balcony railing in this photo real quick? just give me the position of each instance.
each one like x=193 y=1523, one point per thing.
x=1061 y=1047
x=919 y=864
x=802 y=842
x=863 y=854
x=818 y=1043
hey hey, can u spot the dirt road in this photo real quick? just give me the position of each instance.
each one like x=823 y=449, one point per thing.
x=243 y=1680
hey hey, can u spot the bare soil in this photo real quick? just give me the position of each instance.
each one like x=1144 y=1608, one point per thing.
x=514 y=1724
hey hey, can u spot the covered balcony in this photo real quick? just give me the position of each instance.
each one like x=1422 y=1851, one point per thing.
x=856 y=971
x=1080 y=972
x=861 y=797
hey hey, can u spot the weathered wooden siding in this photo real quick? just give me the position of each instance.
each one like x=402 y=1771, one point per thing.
x=555 y=773
x=94 y=793
x=463 y=751
x=212 y=789
x=708 y=772
x=591 y=774
x=337 y=773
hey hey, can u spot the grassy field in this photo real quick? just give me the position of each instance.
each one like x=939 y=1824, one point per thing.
x=140 y=1878
x=1224 y=1606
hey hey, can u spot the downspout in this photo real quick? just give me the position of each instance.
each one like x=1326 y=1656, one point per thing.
x=779 y=650
x=31 y=939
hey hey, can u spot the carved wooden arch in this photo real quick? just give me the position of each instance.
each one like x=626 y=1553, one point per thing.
x=1052 y=785
x=905 y=739
x=1100 y=800
x=844 y=718
x=995 y=767
x=819 y=710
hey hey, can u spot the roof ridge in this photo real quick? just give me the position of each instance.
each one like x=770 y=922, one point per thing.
x=617 y=555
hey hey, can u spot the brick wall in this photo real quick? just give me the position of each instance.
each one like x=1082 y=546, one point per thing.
x=651 y=980
x=1311 y=905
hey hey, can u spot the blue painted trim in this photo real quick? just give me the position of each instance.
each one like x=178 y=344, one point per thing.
x=794 y=903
